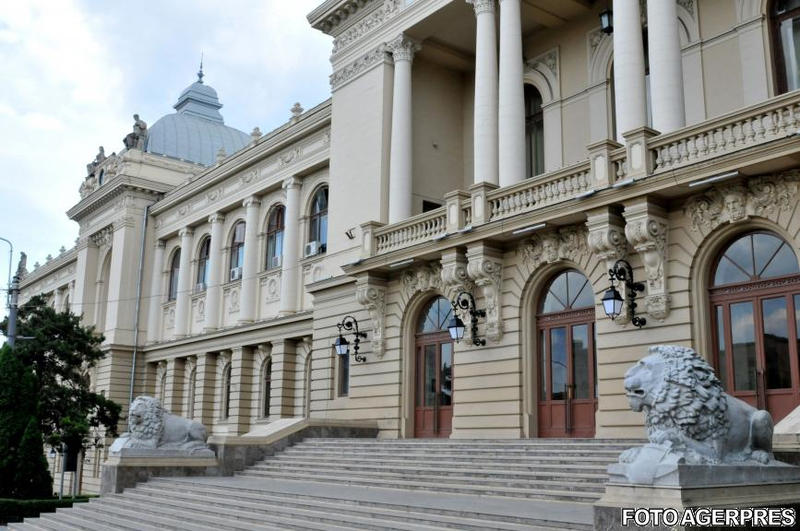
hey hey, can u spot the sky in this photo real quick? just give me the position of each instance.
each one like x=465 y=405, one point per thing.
x=73 y=73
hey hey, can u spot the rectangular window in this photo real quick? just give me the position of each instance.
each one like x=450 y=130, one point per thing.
x=344 y=375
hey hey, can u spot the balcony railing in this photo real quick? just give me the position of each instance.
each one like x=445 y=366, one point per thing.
x=770 y=120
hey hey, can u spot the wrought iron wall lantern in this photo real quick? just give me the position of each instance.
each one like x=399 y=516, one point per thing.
x=342 y=345
x=465 y=301
x=607 y=21
x=613 y=303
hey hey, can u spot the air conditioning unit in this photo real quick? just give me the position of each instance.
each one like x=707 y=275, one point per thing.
x=313 y=248
x=199 y=287
x=277 y=261
x=236 y=273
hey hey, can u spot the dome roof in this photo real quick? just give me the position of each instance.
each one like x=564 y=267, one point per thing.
x=197 y=130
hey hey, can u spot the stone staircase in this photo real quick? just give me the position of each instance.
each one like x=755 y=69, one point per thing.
x=370 y=484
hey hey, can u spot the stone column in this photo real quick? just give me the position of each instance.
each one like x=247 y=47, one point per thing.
x=291 y=243
x=629 y=83
x=215 y=281
x=666 y=71
x=156 y=282
x=204 y=389
x=183 y=300
x=241 y=390
x=173 y=398
x=58 y=295
x=247 y=299
x=283 y=379
x=400 y=156
x=511 y=108
x=485 y=126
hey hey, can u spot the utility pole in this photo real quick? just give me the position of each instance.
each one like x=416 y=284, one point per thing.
x=12 y=311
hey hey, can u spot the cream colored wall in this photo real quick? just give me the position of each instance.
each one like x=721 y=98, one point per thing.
x=438 y=101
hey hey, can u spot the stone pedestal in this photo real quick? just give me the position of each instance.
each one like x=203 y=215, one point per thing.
x=131 y=466
x=709 y=486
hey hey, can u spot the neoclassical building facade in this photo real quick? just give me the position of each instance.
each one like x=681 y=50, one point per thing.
x=511 y=150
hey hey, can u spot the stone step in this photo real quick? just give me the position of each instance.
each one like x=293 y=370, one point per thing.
x=106 y=513
x=454 y=442
x=318 y=512
x=496 y=458
x=538 y=491
x=490 y=512
x=314 y=461
x=426 y=471
x=194 y=514
x=417 y=443
x=35 y=524
x=58 y=521
x=478 y=452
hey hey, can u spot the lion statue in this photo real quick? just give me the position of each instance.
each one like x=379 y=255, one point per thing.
x=152 y=427
x=687 y=413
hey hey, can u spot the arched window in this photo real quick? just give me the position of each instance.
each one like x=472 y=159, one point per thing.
x=275 y=226
x=534 y=131
x=318 y=221
x=174 y=272
x=226 y=392
x=786 y=43
x=190 y=395
x=567 y=365
x=203 y=264
x=237 y=251
x=266 y=389
x=433 y=414
x=755 y=299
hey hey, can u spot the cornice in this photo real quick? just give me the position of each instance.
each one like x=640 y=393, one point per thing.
x=115 y=187
x=270 y=144
x=59 y=262
x=333 y=16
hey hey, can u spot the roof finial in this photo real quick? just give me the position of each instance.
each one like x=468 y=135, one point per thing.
x=200 y=72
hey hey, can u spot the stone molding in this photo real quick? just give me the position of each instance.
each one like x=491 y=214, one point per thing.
x=366 y=25
x=361 y=65
x=292 y=182
x=103 y=238
x=251 y=201
x=403 y=48
x=371 y=293
x=607 y=241
x=760 y=196
x=485 y=268
x=455 y=280
x=422 y=278
x=186 y=232
x=216 y=218
x=646 y=229
x=565 y=243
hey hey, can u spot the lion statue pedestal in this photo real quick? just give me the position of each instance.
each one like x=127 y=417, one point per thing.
x=706 y=448
x=157 y=443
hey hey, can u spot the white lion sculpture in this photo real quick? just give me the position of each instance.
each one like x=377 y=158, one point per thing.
x=152 y=427
x=687 y=413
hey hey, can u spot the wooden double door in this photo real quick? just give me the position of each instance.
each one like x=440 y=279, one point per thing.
x=433 y=412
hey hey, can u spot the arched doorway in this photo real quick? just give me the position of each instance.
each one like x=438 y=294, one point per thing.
x=433 y=389
x=755 y=303
x=566 y=357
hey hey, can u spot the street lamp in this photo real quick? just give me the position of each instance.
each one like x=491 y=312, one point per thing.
x=613 y=302
x=342 y=345
x=607 y=21
x=456 y=327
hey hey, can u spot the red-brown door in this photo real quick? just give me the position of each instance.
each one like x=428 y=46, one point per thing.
x=755 y=305
x=434 y=386
x=567 y=394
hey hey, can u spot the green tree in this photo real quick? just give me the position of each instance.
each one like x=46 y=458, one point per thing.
x=60 y=352
x=22 y=463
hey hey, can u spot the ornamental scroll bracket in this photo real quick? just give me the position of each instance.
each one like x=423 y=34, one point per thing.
x=485 y=268
x=371 y=293
x=607 y=242
x=646 y=229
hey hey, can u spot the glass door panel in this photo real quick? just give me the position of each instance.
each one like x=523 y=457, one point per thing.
x=429 y=375
x=743 y=337
x=446 y=375
x=558 y=363
x=580 y=361
x=777 y=363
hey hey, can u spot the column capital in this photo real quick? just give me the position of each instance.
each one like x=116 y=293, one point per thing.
x=403 y=48
x=252 y=201
x=186 y=232
x=483 y=6
x=292 y=182
x=216 y=217
x=160 y=244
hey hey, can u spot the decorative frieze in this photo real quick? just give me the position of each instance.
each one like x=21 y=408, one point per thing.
x=761 y=196
x=485 y=268
x=566 y=243
x=366 y=25
x=371 y=293
x=364 y=63
x=422 y=278
x=646 y=230
x=103 y=238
